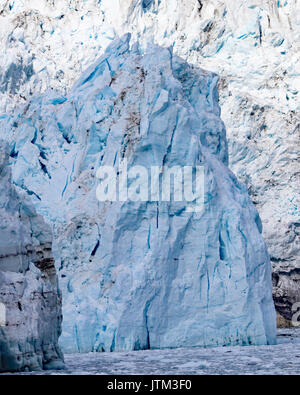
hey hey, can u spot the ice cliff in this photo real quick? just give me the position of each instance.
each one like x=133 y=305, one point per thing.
x=30 y=304
x=137 y=275
x=252 y=44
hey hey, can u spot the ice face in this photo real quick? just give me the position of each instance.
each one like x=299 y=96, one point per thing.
x=30 y=302
x=253 y=47
x=137 y=275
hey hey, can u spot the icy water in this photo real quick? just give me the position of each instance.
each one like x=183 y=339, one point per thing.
x=284 y=358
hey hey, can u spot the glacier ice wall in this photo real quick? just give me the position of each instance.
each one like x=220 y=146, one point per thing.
x=30 y=317
x=253 y=46
x=138 y=275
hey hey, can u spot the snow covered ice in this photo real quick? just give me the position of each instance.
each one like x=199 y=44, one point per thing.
x=139 y=275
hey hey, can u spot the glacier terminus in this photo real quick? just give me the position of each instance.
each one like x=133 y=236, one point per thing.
x=141 y=275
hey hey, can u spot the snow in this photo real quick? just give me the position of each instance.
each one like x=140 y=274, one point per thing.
x=281 y=359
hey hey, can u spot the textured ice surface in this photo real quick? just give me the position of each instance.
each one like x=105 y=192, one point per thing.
x=252 y=45
x=139 y=275
x=281 y=359
x=30 y=300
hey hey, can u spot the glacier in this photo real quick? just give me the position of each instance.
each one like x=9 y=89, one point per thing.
x=252 y=45
x=139 y=275
x=30 y=301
